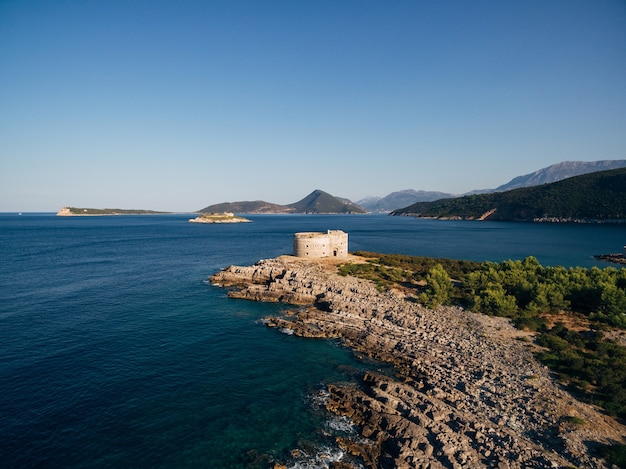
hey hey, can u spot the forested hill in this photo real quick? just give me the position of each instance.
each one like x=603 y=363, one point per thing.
x=599 y=196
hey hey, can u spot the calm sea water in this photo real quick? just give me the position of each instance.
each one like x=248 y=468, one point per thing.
x=116 y=352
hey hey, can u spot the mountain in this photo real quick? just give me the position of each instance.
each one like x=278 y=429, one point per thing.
x=560 y=171
x=400 y=199
x=257 y=206
x=554 y=173
x=321 y=202
x=598 y=196
x=316 y=202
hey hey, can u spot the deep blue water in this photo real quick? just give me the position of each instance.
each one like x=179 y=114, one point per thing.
x=116 y=352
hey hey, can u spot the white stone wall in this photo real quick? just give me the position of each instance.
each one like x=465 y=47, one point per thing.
x=333 y=243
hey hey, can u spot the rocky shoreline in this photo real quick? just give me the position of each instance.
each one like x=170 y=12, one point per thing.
x=613 y=258
x=467 y=393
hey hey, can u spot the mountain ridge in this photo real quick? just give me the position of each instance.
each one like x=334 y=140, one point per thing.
x=559 y=171
x=401 y=198
x=553 y=173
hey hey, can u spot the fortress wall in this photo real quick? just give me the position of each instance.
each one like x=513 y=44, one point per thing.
x=334 y=243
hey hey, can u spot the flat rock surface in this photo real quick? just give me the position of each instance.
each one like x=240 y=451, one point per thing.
x=467 y=393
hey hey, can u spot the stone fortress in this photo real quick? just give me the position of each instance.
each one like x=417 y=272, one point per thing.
x=333 y=243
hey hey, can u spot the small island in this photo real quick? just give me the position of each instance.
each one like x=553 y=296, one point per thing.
x=225 y=217
x=78 y=212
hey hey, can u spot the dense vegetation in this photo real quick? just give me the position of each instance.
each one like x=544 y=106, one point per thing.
x=594 y=196
x=541 y=299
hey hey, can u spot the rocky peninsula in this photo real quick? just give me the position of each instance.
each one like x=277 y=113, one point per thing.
x=468 y=392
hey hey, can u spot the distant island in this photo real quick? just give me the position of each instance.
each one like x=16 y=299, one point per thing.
x=598 y=197
x=317 y=202
x=225 y=217
x=78 y=212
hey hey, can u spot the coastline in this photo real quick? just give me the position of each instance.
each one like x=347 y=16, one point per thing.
x=466 y=392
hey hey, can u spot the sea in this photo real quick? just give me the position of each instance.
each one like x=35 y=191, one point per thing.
x=117 y=352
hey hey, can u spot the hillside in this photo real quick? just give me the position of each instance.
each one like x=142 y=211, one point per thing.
x=599 y=196
x=321 y=202
x=316 y=202
x=554 y=173
x=257 y=206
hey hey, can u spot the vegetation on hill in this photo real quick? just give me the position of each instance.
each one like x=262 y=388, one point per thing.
x=256 y=206
x=595 y=196
x=575 y=312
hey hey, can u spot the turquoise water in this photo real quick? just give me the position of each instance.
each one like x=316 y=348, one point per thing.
x=116 y=352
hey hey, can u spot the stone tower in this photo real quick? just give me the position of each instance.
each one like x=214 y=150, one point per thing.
x=333 y=243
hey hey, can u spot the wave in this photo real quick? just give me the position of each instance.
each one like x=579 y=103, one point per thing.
x=320 y=460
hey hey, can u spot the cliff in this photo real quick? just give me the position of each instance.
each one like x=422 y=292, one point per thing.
x=466 y=394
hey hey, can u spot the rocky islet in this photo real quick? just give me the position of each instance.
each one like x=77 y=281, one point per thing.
x=466 y=393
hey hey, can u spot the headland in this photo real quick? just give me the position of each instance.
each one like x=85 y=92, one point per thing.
x=467 y=392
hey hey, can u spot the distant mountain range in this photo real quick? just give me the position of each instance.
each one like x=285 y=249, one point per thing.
x=560 y=171
x=317 y=201
x=400 y=199
x=598 y=196
x=553 y=173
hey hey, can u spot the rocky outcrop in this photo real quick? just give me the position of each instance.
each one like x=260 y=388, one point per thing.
x=468 y=391
x=614 y=258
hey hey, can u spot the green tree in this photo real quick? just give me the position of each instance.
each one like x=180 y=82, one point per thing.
x=438 y=287
x=494 y=301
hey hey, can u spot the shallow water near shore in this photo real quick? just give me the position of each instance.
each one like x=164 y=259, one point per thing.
x=116 y=352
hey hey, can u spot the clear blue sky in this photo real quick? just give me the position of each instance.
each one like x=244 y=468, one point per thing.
x=179 y=104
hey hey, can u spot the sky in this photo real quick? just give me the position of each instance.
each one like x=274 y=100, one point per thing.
x=179 y=104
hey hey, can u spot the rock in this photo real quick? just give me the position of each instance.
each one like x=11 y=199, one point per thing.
x=461 y=397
